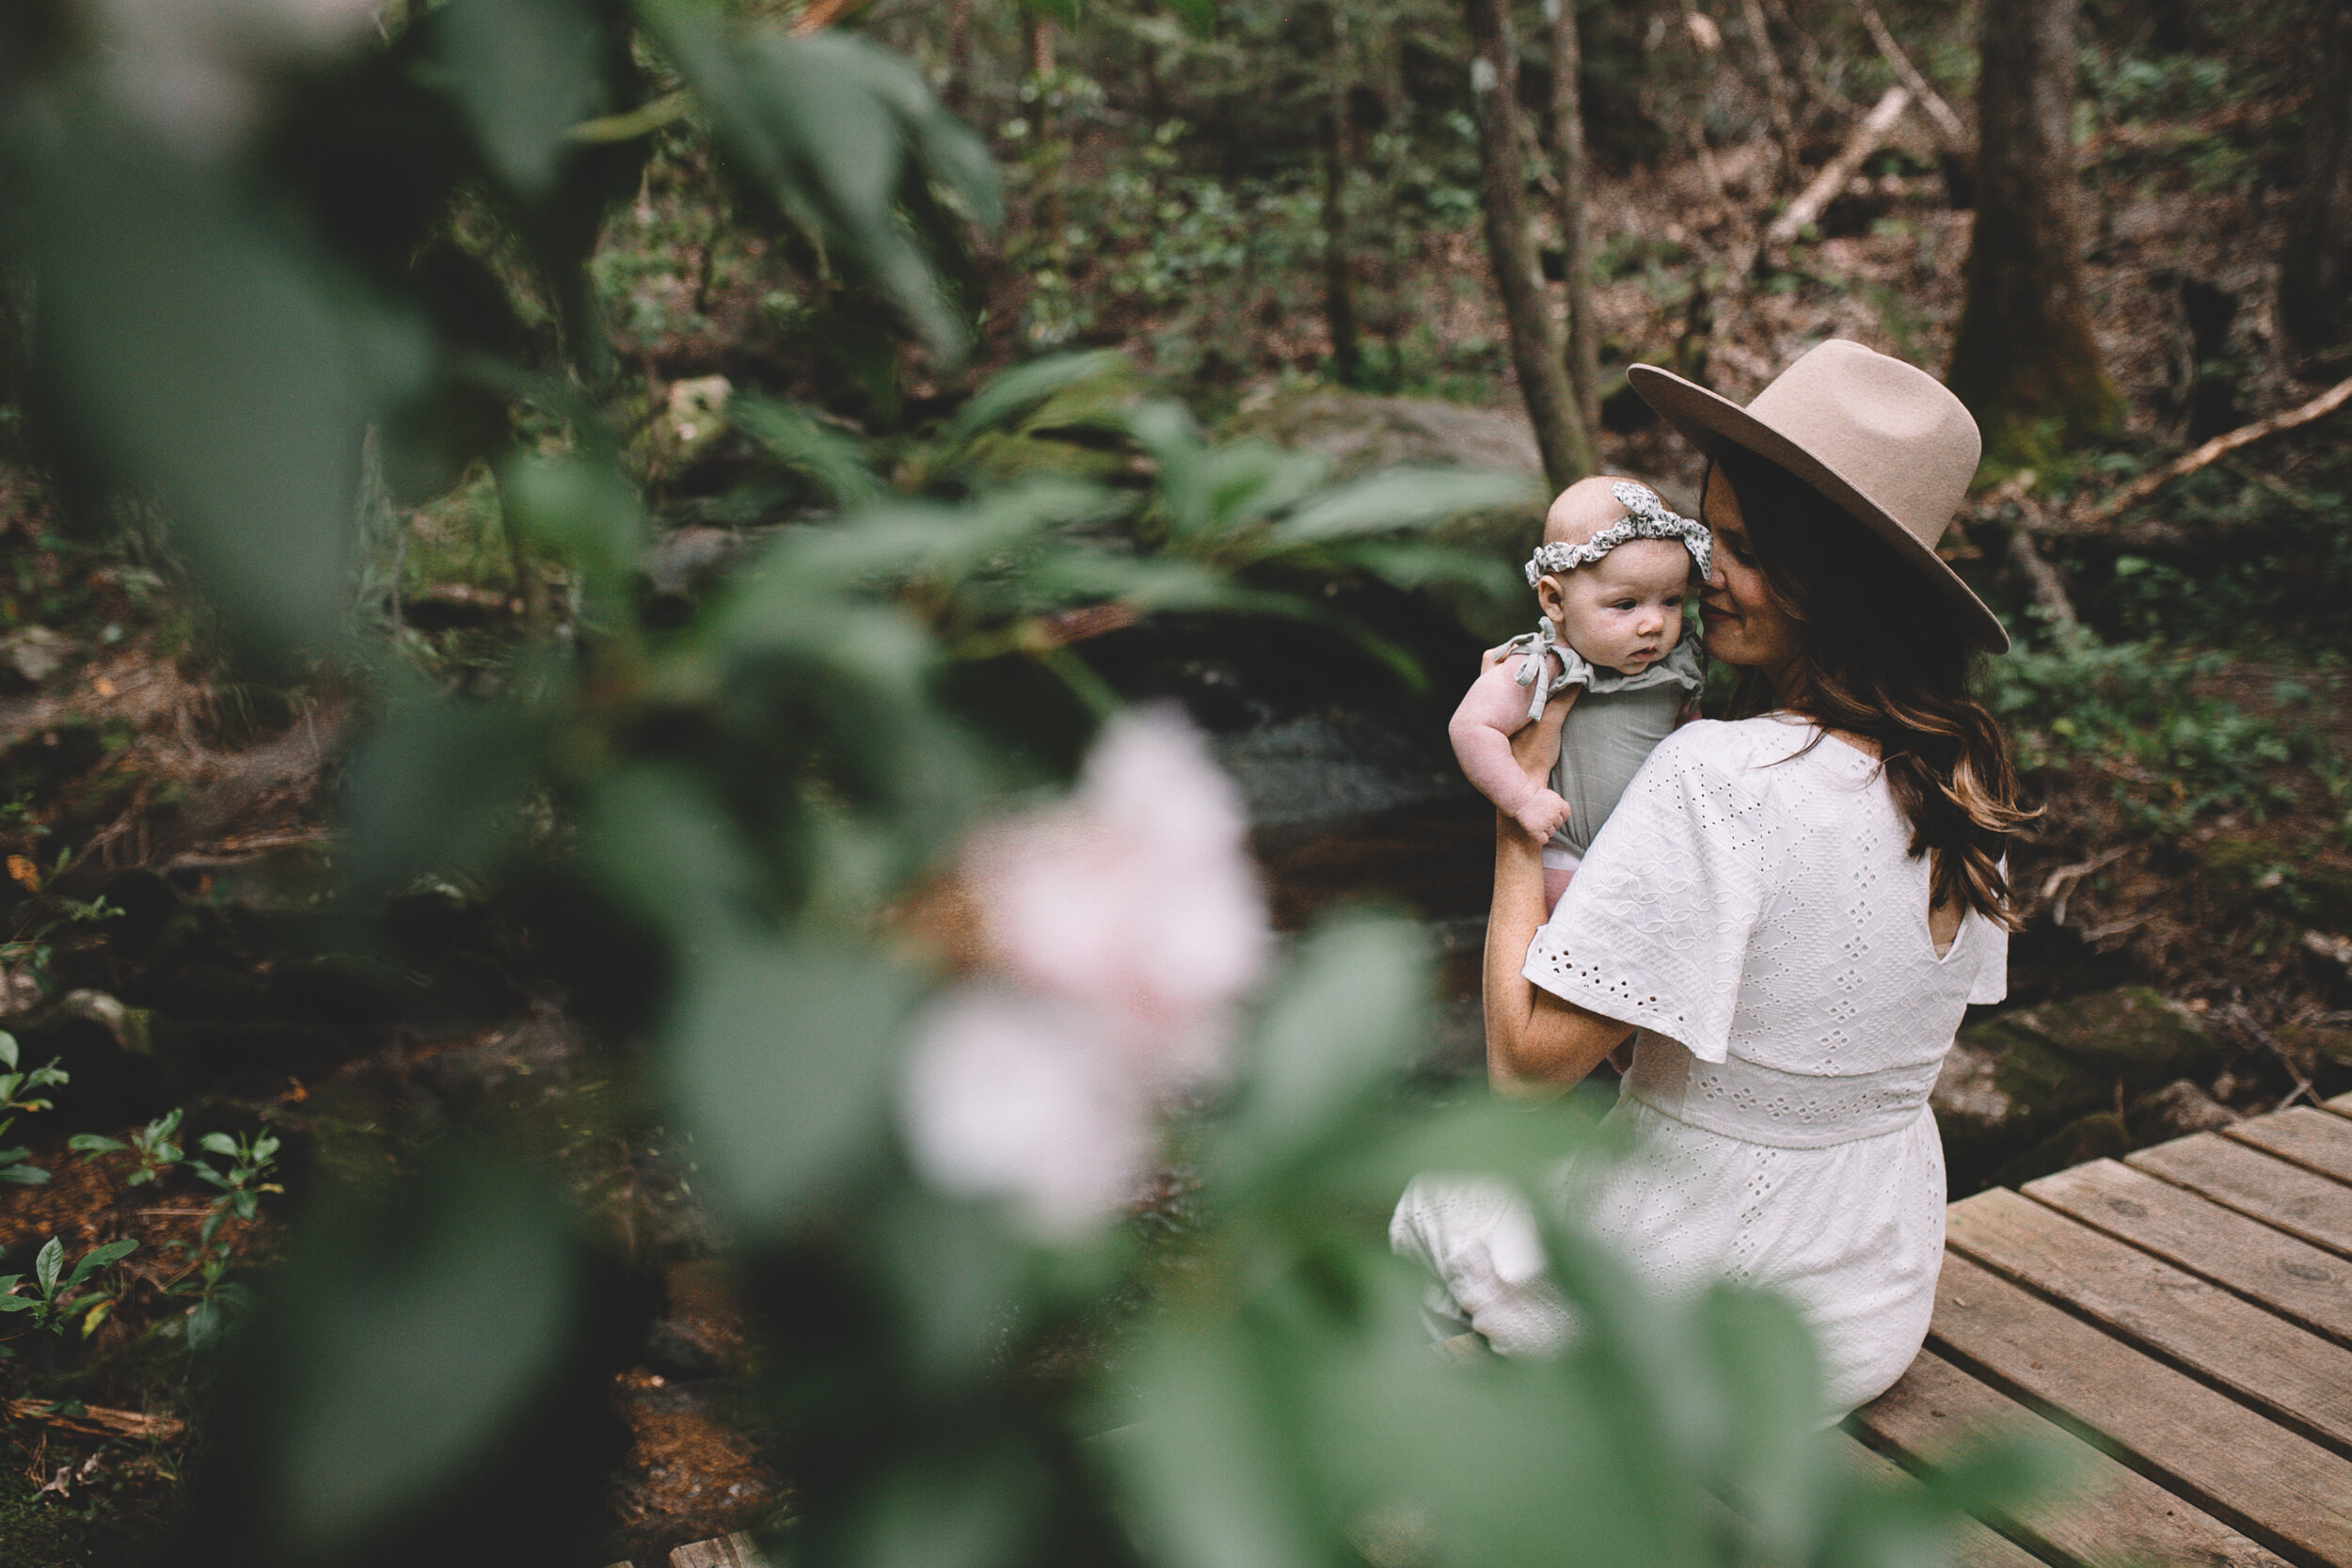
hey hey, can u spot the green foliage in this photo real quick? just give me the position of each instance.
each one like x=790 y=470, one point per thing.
x=152 y=1146
x=19 y=1093
x=57 y=1295
x=757 y=791
x=2131 y=712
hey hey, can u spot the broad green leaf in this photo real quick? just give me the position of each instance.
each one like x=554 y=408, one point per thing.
x=666 y=851
x=583 y=509
x=807 y=446
x=400 y=1345
x=8 y=1051
x=1410 y=566
x=1210 y=1467
x=437 y=788
x=1401 y=499
x=218 y=1143
x=1015 y=393
x=976 y=1508
x=1774 y=1461
x=18 y=1304
x=524 y=73
x=18 y=1174
x=98 y=1258
x=202 y=353
x=1351 y=1008
x=1199 y=15
x=46 y=1265
x=779 y=1058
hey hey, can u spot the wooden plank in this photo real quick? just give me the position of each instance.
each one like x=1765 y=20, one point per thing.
x=727 y=1551
x=1973 y=1545
x=2102 y=1513
x=2312 y=1139
x=2257 y=1476
x=2269 y=1362
x=2293 y=1279
x=2342 y=1105
x=2295 y=1200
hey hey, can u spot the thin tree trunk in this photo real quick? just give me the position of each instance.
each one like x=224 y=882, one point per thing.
x=2313 y=275
x=956 y=92
x=1537 y=353
x=2023 y=357
x=1044 y=130
x=1777 y=93
x=1339 y=282
x=1567 y=158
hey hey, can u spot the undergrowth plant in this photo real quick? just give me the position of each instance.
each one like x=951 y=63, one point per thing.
x=20 y=1093
x=757 y=824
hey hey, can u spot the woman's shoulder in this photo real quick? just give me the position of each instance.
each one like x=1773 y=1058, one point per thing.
x=1736 y=747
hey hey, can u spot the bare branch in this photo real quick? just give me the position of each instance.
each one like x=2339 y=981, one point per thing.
x=1948 y=125
x=2220 y=445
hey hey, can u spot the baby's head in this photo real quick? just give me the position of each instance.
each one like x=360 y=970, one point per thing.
x=1625 y=610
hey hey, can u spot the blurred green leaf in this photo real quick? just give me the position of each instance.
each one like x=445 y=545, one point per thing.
x=200 y=352
x=583 y=510
x=1401 y=499
x=779 y=1058
x=822 y=122
x=1014 y=393
x=524 y=73
x=1211 y=1467
x=437 y=788
x=1351 y=1009
x=1064 y=11
x=974 y=1509
x=400 y=1345
x=1775 y=1456
x=807 y=446
x=667 y=851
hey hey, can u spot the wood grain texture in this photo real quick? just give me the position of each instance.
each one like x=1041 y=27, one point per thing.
x=2294 y=1279
x=1974 y=1545
x=2102 y=1513
x=2310 y=1138
x=726 y=1551
x=2342 y=1105
x=2287 y=1491
x=2282 y=1370
x=2298 y=1201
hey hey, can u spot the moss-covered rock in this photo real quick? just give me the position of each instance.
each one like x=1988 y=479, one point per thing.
x=2014 y=1083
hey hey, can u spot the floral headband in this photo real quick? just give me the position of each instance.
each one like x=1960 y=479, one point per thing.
x=1646 y=517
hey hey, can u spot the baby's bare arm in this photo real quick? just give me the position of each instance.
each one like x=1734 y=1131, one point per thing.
x=1494 y=709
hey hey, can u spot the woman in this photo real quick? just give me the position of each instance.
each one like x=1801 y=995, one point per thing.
x=1794 y=907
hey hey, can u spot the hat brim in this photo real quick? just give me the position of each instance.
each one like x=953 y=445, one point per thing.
x=1710 y=420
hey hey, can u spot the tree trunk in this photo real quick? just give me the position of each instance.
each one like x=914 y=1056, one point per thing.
x=2023 y=357
x=956 y=91
x=1568 y=157
x=2313 y=279
x=1537 y=353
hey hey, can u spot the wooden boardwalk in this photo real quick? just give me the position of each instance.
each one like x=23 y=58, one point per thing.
x=2183 y=1318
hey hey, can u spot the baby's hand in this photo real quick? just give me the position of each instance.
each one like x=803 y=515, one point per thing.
x=1543 y=815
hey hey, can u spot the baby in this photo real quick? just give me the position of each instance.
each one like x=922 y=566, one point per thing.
x=1610 y=577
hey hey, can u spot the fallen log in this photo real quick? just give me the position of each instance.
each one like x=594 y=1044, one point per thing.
x=96 y=1421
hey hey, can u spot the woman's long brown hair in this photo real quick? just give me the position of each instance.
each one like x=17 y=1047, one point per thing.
x=1887 y=660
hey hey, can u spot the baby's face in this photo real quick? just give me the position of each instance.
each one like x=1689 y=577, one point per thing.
x=1624 y=611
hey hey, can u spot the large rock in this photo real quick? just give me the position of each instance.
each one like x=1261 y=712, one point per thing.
x=2016 y=1081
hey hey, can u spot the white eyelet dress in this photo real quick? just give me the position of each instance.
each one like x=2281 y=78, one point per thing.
x=1751 y=906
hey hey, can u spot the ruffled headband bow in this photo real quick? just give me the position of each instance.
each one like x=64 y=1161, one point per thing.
x=1646 y=517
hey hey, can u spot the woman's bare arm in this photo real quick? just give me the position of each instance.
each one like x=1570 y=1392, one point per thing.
x=1536 y=1043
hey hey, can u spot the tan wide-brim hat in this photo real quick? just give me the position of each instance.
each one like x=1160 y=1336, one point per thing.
x=1885 y=441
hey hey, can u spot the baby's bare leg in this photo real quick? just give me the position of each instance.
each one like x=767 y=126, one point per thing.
x=1555 y=883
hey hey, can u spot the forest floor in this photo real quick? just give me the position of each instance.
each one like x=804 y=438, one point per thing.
x=2195 y=838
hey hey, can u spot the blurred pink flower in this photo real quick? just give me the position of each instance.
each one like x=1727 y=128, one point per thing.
x=1010 y=1094
x=1137 y=895
x=1122 y=925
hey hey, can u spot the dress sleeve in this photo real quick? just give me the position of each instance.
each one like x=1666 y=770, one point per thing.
x=1991 y=982
x=1654 y=928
